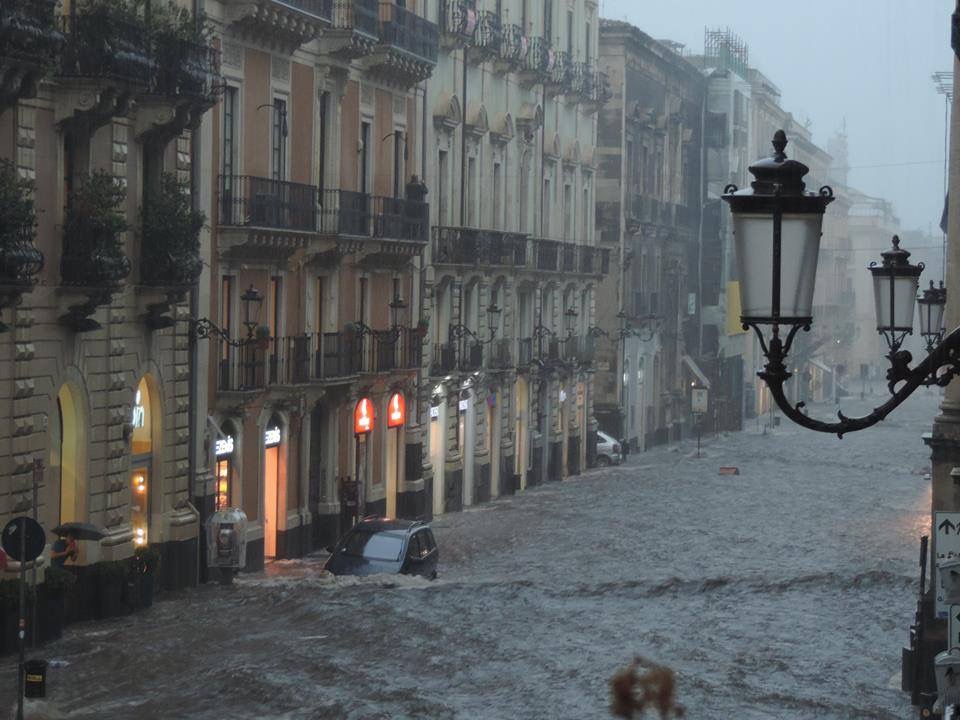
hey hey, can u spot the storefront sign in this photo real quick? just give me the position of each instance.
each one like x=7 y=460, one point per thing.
x=396 y=411
x=363 y=417
x=224 y=445
x=271 y=436
x=139 y=413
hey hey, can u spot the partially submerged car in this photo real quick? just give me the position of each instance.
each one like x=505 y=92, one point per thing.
x=381 y=545
x=608 y=450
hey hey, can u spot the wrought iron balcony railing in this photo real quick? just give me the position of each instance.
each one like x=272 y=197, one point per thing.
x=568 y=257
x=524 y=351
x=459 y=20
x=596 y=88
x=473 y=246
x=588 y=260
x=547 y=254
x=251 y=201
x=513 y=45
x=100 y=44
x=404 y=30
x=536 y=61
x=20 y=260
x=388 y=350
x=322 y=9
x=487 y=35
x=357 y=15
x=560 y=71
x=500 y=354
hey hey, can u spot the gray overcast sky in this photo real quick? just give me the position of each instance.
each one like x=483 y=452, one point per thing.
x=866 y=61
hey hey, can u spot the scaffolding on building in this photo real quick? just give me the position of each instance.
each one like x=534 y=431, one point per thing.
x=726 y=50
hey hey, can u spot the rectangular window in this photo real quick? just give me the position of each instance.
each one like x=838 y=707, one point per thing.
x=226 y=319
x=545 y=221
x=365 y=157
x=321 y=305
x=399 y=153
x=585 y=214
x=396 y=290
x=228 y=154
x=567 y=212
x=322 y=159
x=586 y=44
x=363 y=301
x=497 y=202
x=548 y=21
x=279 y=139
x=273 y=308
x=443 y=180
x=570 y=33
x=471 y=192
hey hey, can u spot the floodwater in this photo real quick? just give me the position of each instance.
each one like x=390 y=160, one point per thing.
x=783 y=592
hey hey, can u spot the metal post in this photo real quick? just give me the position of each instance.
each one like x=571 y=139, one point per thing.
x=361 y=481
x=22 y=619
x=37 y=473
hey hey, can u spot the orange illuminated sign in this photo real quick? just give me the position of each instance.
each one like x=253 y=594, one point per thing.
x=396 y=411
x=363 y=417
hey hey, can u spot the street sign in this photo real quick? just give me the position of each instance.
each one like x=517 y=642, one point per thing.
x=953 y=627
x=698 y=400
x=35 y=538
x=946 y=544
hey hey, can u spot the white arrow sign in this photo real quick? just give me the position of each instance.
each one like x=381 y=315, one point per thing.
x=946 y=545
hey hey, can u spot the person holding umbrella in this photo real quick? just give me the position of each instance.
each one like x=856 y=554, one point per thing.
x=64 y=548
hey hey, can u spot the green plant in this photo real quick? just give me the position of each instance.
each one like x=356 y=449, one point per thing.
x=148 y=557
x=93 y=242
x=17 y=212
x=170 y=230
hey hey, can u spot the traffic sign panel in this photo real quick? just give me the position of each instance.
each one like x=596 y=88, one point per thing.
x=35 y=538
x=946 y=545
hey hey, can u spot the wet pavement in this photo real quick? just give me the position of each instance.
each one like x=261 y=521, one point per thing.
x=783 y=592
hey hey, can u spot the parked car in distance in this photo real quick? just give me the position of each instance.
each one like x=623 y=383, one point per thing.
x=381 y=545
x=608 y=450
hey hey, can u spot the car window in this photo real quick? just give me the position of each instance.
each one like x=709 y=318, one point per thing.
x=426 y=540
x=374 y=546
x=413 y=548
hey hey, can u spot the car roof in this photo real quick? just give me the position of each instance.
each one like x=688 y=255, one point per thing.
x=374 y=524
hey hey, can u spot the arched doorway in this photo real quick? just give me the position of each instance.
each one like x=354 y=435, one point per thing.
x=521 y=431
x=145 y=419
x=68 y=458
x=274 y=484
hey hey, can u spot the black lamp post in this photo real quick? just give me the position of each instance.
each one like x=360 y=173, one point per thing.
x=931 y=305
x=777 y=239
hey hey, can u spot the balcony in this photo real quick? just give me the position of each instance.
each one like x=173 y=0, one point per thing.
x=285 y=24
x=388 y=350
x=459 y=22
x=535 y=67
x=487 y=37
x=295 y=360
x=472 y=246
x=30 y=43
x=547 y=254
x=559 y=78
x=444 y=359
x=513 y=47
x=188 y=69
x=408 y=47
x=355 y=29
x=579 y=349
x=250 y=201
x=568 y=258
x=103 y=46
x=464 y=355
x=594 y=89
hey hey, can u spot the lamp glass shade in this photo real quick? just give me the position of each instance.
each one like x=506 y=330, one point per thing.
x=931 y=317
x=894 y=297
x=799 y=250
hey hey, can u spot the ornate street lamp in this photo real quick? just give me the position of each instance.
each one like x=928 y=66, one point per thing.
x=931 y=305
x=777 y=239
x=252 y=302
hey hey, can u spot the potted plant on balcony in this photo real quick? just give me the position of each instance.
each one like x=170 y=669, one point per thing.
x=93 y=253
x=20 y=261
x=184 y=45
x=170 y=236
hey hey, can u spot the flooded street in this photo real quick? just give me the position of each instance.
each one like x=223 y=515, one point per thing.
x=785 y=591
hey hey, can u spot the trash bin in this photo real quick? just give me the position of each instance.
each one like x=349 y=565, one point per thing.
x=35 y=678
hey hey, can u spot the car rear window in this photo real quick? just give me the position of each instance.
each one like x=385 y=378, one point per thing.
x=374 y=546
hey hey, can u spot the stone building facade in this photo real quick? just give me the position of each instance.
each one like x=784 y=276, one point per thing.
x=509 y=292
x=319 y=206
x=95 y=335
x=649 y=208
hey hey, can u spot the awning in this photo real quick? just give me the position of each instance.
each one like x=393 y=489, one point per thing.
x=697 y=372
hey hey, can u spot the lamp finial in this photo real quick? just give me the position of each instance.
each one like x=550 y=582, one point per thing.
x=780 y=144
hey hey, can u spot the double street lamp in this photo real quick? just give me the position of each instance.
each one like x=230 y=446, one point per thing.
x=777 y=228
